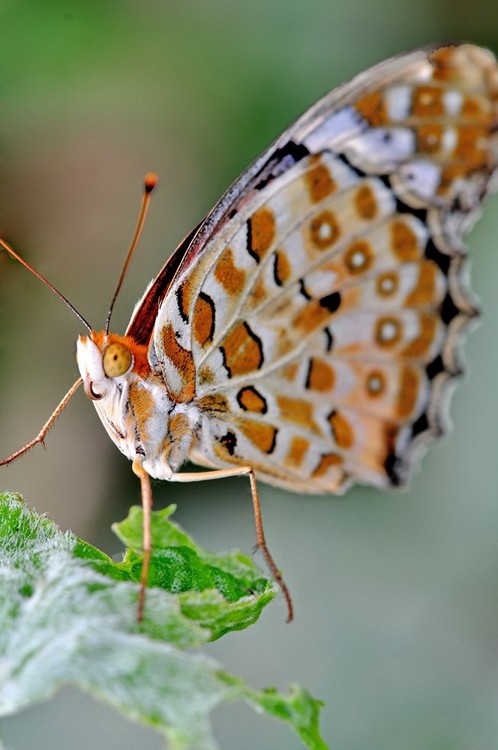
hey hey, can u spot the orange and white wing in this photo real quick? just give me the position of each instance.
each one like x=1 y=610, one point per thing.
x=315 y=316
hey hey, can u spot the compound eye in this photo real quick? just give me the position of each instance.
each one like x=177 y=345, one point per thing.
x=117 y=360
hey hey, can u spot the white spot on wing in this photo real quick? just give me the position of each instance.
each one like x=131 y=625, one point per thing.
x=421 y=177
x=334 y=130
x=387 y=284
x=398 y=100
x=374 y=384
x=388 y=331
x=381 y=148
x=325 y=231
x=452 y=102
x=449 y=140
x=358 y=259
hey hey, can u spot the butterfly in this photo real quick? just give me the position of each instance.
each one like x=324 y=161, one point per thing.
x=306 y=332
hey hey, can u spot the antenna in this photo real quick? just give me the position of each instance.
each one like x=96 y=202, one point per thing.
x=24 y=263
x=150 y=182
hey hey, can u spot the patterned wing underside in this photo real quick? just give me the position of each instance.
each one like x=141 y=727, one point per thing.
x=319 y=326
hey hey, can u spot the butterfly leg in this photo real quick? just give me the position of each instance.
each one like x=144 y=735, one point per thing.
x=202 y=476
x=46 y=427
x=146 y=491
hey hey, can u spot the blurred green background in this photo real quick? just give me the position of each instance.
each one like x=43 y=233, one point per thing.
x=395 y=593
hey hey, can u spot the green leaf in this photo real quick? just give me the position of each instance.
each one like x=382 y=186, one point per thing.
x=221 y=592
x=68 y=615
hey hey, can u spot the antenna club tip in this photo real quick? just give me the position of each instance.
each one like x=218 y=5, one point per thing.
x=150 y=182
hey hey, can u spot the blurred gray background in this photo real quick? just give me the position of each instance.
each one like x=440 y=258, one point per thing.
x=396 y=594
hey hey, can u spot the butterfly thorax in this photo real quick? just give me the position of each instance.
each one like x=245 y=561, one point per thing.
x=133 y=403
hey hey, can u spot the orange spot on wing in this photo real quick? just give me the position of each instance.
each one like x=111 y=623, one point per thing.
x=262 y=435
x=203 y=319
x=448 y=176
x=319 y=182
x=444 y=64
x=262 y=232
x=424 y=292
x=290 y=371
x=429 y=138
x=477 y=109
x=228 y=275
x=311 y=317
x=342 y=431
x=408 y=391
x=327 y=461
x=321 y=376
x=297 y=451
x=365 y=202
x=404 y=241
x=183 y=361
x=297 y=411
x=258 y=292
x=242 y=350
x=421 y=345
x=251 y=400
x=372 y=108
x=282 y=268
x=471 y=147
x=428 y=102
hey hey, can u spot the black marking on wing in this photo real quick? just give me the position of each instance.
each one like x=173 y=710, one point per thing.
x=329 y=340
x=434 y=368
x=449 y=310
x=303 y=290
x=308 y=374
x=331 y=301
x=250 y=389
x=393 y=466
x=259 y=343
x=229 y=441
x=208 y=300
x=433 y=253
x=274 y=441
x=351 y=166
x=278 y=281
x=179 y=303
x=249 y=242
x=283 y=159
x=420 y=425
x=225 y=363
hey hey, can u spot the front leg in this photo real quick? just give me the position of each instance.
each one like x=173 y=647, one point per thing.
x=146 y=493
x=161 y=445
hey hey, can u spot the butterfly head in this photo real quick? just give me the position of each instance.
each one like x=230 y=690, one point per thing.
x=132 y=402
x=107 y=361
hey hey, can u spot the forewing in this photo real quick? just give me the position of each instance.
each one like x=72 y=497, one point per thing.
x=316 y=315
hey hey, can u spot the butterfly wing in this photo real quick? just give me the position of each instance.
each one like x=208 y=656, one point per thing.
x=315 y=316
x=276 y=159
